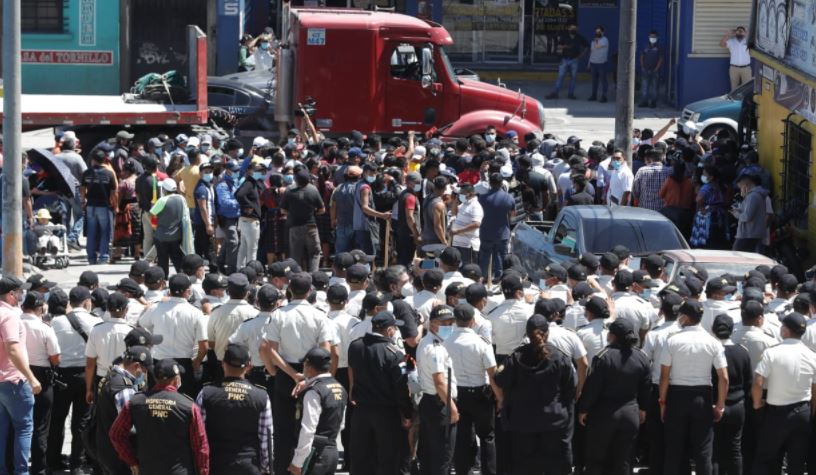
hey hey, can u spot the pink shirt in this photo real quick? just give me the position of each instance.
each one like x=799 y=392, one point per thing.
x=11 y=330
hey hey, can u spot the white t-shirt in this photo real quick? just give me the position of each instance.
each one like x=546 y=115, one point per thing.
x=469 y=212
x=620 y=182
x=739 y=52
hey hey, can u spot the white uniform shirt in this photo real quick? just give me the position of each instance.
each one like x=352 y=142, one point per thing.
x=605 y=281
x=343 y=323
x=739 y=52
x=250 y=333
x=355 y=302
x=593 y=337
x=620 y=182
x=754 y=339
x=198 y=291
x=482 y=326
x=575 y=317
x=809 y=338
x=180 y=324
x=691 y=353
x=432 y=358
x=789 y=369
x=155 y=296
x=297 y=328
x=470 y=212
x=424 y=302
x=712 y=308
x=308 y=425
x=450 y=278
x=655 y=344
x=72 y=346
x=41 y=341
x=106 y=342
x=509 y=322
x=471 y=355
x=778 y=304
x=566 y=341
x=134 y=311
x=629 y=306
x=225 y=320
x=339 y=281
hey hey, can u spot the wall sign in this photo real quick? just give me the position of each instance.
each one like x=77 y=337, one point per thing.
x=316 y=37
x=87 y=23
x=87 y=58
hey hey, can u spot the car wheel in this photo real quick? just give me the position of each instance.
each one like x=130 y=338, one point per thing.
x=713 y=130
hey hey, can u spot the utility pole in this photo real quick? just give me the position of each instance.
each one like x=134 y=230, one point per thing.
x=12 y=138
x=625 y=93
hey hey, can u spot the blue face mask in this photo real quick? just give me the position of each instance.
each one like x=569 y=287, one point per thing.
x=288 y=179
x=45 y=296
x=444 y=332
x=646 y=294
x=264 y=45
x=258 y=176
x=371 y=179
x=729 y=298
x=207 y=177
x=417 y=187
x=140 y=380
x=616 y=164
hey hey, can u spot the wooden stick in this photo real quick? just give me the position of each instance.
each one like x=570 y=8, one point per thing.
x=387 y=248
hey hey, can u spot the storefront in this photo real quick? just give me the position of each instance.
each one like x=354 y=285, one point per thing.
x=785 y=92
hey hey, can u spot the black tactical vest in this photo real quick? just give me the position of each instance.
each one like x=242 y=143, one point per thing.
x=106 y=413
x=233 y=408
x=162 y=421
x=333 y=399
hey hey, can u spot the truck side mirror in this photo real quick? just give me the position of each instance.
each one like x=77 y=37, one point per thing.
x=427 y=62
x=426 y=81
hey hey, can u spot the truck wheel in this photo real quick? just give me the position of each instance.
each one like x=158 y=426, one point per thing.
x=713 y=130
x=222 y=118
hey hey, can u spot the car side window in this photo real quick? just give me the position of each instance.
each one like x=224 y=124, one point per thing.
x=242 y=98
x=220 y=96
x=566 y=234
x=405 y=63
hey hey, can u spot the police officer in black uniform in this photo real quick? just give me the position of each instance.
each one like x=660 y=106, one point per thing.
x=114 y=390
x=322 y=407
x=379 y=388
x=238 y=418
x=617 y=386
x=170 y=434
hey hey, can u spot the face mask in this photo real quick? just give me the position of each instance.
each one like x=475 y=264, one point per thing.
x=444 y=332
x=407 y=290
x=371 y=179
x=462 y=199
x=646 y=294
x=258 y=176
x=598 y=34
x=264 y=46
x=207 y=177
x=652 y=40
x=635 y=141
x=542 y=284
x=417 y=187
x=205 y=148
x=490 y=138
x=140 y=380
x=729 y=298
x=704 y=178
x=290 y=141
x=240 y=152
x=288 y=179
x=616 y=164
x=45 y=296
x=739 y=37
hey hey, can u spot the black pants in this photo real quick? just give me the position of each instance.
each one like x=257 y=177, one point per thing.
x=345 y=435
x=728 y=441
x=477 y=411
x=166 y=252
x=746 y=245
x=539 y=453
x=504 y=451
x=656 y=432
x=43 y=404
x=406 y=248
x=189 y=385
x=469 y=256
x=783 y=429
x=376 y=438
x=610 y=437
x=749 y=436
x=436 y=436
x=284 y=422
x=259 y=377
x=65 y=399
x=689 y=424
x=203 y=246
x=323 y=460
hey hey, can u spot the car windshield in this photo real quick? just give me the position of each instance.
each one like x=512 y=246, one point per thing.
x=448 y=66
x=639 y=236
x=715 y=269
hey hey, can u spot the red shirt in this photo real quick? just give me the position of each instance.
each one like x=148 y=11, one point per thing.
x=470 y=175
x=120 y=432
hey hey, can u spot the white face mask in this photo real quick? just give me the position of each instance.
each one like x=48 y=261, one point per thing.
x=652 y=40
x=462 y=199
x=407 y=290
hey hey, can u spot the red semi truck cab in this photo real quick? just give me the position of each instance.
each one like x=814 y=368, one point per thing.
x=388 y=73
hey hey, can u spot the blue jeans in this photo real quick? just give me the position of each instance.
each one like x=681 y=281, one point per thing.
x=570 y=65
x=16 y=411
x=78 y=220
x=599 y=72
x=362 y=241
x=648 y=86
x=497 y=248
x=100 y=221
x=343 y=239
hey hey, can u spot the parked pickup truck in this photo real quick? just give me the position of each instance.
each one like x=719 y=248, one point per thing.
x=714 y=262
x=593 y=229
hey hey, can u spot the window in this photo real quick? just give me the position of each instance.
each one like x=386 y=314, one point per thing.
x=220 y=96
x=796 y=172
x=711 y=19
x=41 y=16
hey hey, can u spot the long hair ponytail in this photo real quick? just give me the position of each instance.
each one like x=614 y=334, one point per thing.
x=538 y=339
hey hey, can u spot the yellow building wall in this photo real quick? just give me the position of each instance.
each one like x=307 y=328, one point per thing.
x=770 y=140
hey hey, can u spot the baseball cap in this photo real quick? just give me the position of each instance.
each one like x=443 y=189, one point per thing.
x=538 y=322
x=511 y=283
x=385 y=319
x=179 y=283
x=795 y=322
x=154 y=275
x=139 y=354
x=413 y=177
x=554 y=270
x=267 y=295
x=577 y=272
x=191 y=263
x=343 y=260
x=464 y=312
x=213 y=281
x=719 y=284
x=279 y=269
x=698 y=273
x=78 y=294
x=751 y=310
x=623 y=329
x=317 y=357
x=169 y=185
x=57 y=298
x=143 y=337
x=589 y=260
x=337 y=294
x=117 y=301
x=692 y=308
x=124 y=134
x=99 y=298
x=642 y=278
x=167 y=368
x=723 y=326
x=788 y=283
x=233 y=166
x=38 y=281
x=300 y=283
x=33 y=299
x=653 y=262
x=598 y=307
x=623 y=278
x=610 y=260
x=694 y=286
x=471 y=271
x=357 y=273
x=259 y=142
x=155 y=142
x=433 y=278
x=678 y=288
x=320 y=279
x=139 y=268
x=777 y=272
x=475 y=292
x=238 y=282
x=88 y=279
x=582 y=290
x=621 y=251
x=236 y=355
x=441 y=312
x=127 y=285
x=753 y=294
x=450 y=256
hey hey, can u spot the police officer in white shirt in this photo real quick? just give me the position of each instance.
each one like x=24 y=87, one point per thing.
x=630 y=306
x=465 y=225
x=154 y=280
x=193 y=266
x=685 y=391
x=357 y=280
x=562 y=339
x=106 y=342
x=184 y=329
x=593 y=334
x=609 y=267
x=553 y=282
x=72 y=332
x=226 y=319
x=644 y=287
x=293 y=330
x=43 y=354
x=342 y=261
x=749 y=333
x=250 y=333
x=476 y=296
x=785 y=292
x=575 y=313
x=426 y=299
x=509 y=319
x=719 y=299
x=789 y=372
x=438 y=413
x=655 y=341
x=133 y=291
x=449 y=262
x=474 y=367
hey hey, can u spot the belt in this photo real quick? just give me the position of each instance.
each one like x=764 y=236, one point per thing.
x=690 y=389
x=471 y=389
x=248 y=218
x=786 y=407
x=320 y=441
x=743 y=66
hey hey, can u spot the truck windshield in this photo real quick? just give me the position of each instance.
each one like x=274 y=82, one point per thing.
x=447 y=63
x=639 y=236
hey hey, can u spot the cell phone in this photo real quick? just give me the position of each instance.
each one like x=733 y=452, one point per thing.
x=427 y=264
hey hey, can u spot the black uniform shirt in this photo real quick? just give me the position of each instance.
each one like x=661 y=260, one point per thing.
x=619 y=376
x=379 y=373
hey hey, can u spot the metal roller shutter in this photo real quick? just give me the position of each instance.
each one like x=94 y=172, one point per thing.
x=711 y=19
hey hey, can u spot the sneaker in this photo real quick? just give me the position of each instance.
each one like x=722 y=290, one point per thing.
x=74 y=245
x=593 y=98
x=603 y=99
x=552 y=95
x=572 y=96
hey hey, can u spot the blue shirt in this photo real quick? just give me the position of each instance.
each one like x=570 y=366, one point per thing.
x=226 y=204
x=497 y=205
x=203 y=191
x=651 y=56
